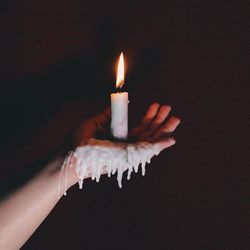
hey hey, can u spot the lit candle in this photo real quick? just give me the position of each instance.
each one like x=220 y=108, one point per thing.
x=119 y=105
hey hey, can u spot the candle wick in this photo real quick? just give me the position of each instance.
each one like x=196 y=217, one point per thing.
x=120 y=84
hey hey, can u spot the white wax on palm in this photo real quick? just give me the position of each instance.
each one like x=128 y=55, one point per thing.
x=96 y=157
x=119 y=115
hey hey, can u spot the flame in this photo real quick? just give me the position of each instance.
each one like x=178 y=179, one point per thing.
x=120 y=72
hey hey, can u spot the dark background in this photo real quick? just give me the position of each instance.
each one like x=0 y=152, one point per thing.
x=57 y=67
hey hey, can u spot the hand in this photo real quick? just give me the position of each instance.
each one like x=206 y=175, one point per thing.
x=94 y=127
x=154 y=127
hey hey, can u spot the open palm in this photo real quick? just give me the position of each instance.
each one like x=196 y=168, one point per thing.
x=155 y=127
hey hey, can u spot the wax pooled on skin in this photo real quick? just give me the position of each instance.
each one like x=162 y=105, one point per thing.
x=96 y=157
x=63 y=177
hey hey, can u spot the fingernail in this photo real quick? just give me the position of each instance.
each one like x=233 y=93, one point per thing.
x=172 y=141
x=179 y=119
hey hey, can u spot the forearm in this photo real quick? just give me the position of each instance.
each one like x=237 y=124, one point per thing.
x=24 y=210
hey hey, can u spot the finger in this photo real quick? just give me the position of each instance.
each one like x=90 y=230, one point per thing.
x=171 y=124
x=168 y=127
x=102 y=119
x=147 y=119
x=164 y=143
x=150 y=115
x=104 y=116
x=160 y=117
x=157 y=122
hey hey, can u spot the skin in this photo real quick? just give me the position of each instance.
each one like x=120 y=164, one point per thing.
x=24 y=210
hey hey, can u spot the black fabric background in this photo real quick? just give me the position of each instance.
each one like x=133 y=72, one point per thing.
x=57 y=67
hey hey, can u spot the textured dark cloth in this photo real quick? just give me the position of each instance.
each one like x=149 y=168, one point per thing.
x=57 y=67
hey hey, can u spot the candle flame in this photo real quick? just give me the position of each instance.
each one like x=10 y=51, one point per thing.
x=120 y=72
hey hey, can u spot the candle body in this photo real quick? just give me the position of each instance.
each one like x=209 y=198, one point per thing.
x=119 y=115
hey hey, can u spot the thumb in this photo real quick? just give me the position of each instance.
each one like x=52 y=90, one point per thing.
x=164 y=142
x=102 y=120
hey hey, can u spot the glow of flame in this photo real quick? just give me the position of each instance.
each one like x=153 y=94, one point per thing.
x=120 y=72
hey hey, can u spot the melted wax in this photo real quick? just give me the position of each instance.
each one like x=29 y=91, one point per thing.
x=96 y=157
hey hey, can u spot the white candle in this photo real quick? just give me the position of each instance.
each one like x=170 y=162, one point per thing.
x=119 y=106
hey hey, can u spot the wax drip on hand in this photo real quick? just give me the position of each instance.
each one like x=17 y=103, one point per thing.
x=97 y=157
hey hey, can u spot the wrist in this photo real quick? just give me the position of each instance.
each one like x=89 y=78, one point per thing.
x=67 y=169
x=72 y=176
x=65 y=176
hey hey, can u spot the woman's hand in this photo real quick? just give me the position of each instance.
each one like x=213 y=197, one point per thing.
x=34 y=201
x=155 y=126
x=95 y=127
